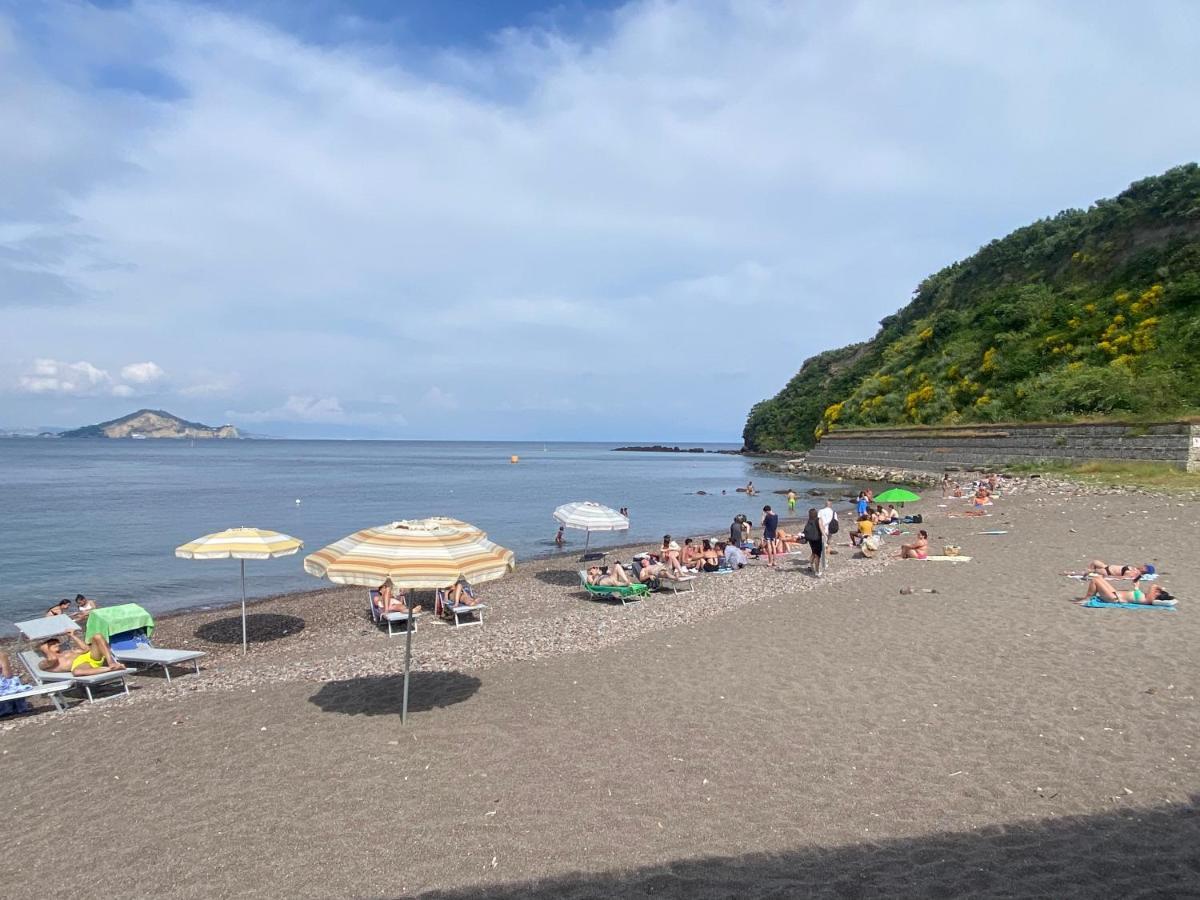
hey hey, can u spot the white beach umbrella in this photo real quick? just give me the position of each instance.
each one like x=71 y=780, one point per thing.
x=413 y=554
x=590 y=516
x=241 y=544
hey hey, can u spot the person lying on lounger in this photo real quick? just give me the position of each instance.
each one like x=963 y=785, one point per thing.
x=918 y=549
x=78 y=658
x=616 y=577
x=460 y=593
x=387 y=600
x=1152 y=595
x=1100 y=567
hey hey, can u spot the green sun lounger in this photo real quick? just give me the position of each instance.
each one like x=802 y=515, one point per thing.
x=620 y=592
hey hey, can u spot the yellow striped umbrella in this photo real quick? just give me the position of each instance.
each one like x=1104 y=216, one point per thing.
x=414 y=554
x=241 y=544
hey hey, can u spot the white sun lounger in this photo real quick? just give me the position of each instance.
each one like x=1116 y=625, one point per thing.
x=146 y=654
x=686 y=583
x=42 y=690
x=460 y=614
x=30 y=660
x=56 y=626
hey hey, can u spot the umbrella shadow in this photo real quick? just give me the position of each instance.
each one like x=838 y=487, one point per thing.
x=383 y=695
x=558 y=577
x=260 y=628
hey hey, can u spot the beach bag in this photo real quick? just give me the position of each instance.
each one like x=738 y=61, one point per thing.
x=812 y=532
x=655 y=583
x=834 y=527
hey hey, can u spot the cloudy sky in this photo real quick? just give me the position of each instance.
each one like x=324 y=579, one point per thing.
x=556 y=220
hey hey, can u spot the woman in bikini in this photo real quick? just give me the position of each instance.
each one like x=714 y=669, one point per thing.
x=692 y=558
x=918 y=549
x=387 y=601
x=1152 y=595
x=616 y=577
x=710 y=558
x=92 y=658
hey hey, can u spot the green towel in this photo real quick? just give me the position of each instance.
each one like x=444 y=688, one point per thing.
x=110 y=620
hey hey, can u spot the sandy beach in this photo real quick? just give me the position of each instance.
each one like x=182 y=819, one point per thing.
x=768 y=735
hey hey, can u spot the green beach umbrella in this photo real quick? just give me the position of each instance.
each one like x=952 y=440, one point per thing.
x=897 y=495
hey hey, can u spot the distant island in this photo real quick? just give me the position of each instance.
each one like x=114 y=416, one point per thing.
x=153 y=423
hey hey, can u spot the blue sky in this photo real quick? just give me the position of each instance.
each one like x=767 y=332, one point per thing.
x=521 y=220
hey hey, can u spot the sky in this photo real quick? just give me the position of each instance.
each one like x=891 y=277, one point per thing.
x=528 y=220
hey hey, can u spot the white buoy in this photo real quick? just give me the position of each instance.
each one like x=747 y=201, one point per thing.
x=297 y=501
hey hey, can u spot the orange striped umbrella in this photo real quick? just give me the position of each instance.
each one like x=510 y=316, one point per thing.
x=414 y=554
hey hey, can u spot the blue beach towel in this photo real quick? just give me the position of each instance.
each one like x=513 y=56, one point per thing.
x=1096 y=603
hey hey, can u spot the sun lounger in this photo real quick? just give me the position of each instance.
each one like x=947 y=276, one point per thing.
x=686 y=583
x=56 y=626
x=624 y=593
x=41 y=690
x=403 y=620
x=459 y=614
x=135 y=648
x=30 y=660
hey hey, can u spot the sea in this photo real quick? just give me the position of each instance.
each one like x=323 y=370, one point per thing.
x=103 y=517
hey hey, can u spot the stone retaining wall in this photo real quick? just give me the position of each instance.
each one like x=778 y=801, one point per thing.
x=995 y=446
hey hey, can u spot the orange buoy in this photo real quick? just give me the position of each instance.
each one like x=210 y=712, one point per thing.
x=514 y=459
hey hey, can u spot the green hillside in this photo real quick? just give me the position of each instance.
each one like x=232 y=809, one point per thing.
x=1086 y=315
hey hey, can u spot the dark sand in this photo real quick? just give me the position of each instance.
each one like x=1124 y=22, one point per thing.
x=992 y=739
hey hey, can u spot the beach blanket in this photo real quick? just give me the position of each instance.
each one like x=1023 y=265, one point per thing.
x=947 y=559
x=1097 y=603
x=110 y=620
x=993 y=532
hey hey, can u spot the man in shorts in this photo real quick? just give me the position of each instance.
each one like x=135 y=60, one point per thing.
x=770 y=527
x=78 y=658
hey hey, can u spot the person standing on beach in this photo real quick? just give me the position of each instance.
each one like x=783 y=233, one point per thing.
x=559 y=539
x=824 y=517
x=862 y=504
x=791 y=497
x=816 y=540
x=770 y=527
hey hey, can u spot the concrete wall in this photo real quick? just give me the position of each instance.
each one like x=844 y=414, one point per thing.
x=995 y=446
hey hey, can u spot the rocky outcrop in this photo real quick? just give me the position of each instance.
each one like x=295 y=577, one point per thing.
x=153 y=423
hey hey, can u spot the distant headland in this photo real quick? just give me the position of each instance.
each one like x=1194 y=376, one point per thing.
x=153 y=423
x=662 y=448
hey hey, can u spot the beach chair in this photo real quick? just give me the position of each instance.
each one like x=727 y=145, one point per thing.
x=41 y=690
x=686 y=583
x=626 y=594
x=135 y=648
x=397 y=622
x=459 y=614
x=54 y=627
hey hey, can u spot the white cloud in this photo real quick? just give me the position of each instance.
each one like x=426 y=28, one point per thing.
x=50 y=376
x=436 y=398
x=546 y=208
x=122 y=390
x=142 y=373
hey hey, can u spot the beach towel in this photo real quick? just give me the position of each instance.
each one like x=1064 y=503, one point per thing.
x=993 y=532
x=110 y=620
x=1097 y=603
x=948 y=559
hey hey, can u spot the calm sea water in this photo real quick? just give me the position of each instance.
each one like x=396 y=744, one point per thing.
x=103 y=517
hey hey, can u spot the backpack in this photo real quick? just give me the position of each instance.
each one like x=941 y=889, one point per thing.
x=812 y=531
x=834 y=527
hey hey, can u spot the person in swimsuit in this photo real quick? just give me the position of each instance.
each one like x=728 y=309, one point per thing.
x=616 y=576
x=386 y=600
x=92 y=658
x=710 y=558
x=671 y=558
x=83 y=608
x=692 y=558
x=559 y=539
x=460 y=593
x=1100 y=567
x=59 y=609
x=791 y=498
x=1152 y=595
x=918 y=549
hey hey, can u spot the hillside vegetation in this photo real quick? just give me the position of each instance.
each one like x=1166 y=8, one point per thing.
x=1087 y=315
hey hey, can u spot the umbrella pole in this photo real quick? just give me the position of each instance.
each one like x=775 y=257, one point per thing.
x=243 y=607
x=408 y=630
x=587 y=539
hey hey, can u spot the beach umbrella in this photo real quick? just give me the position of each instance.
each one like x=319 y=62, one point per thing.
x=240 y=544
x=590 y=516
x=415 y=554
x=897 y=495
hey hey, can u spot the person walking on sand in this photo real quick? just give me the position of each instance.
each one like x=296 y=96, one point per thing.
x=791 y=498
x=825 y=517
x=815 y=537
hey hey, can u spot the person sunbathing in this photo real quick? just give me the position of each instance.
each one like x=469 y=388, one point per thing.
x=460 y=594
x=92 y=658
x=1100 y=567
x=1153 y=595
x=670 y=557
x=616 y=577
x=711 y=559
x=386 y=600
x=692 y=558
x=918 y=549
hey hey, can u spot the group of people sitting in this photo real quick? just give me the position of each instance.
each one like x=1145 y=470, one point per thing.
x=388 y=598
x=671 y=561
x=1144 y=588
x=83 y=607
